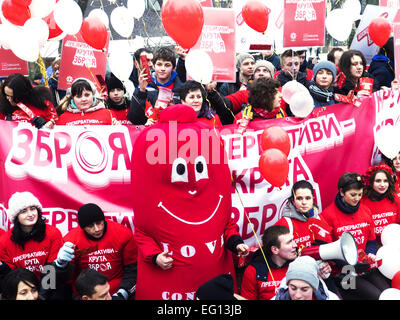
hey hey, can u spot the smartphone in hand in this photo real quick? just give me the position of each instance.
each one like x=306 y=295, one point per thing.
x=145 y=66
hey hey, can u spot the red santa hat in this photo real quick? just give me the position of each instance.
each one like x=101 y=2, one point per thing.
x=20 y=201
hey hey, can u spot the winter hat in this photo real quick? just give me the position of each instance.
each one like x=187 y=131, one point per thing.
x=113 y=82
x=241 y=57
x=89 y=213
x=20 y=201
x=325 y=65
x=218 y=288
x=304 y=268
x=266 y=64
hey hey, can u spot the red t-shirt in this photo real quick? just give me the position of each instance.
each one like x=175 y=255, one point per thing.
x=98 y=117
x=35 y=254
x=383 y=212
x=306 y=232
x=108 y=255
x=359 y=224
x=121 y=115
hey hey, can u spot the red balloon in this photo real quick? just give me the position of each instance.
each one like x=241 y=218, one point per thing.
x=14 y=13
x=396 y=280
x=256 y=15
x=54 y=29
x=94 y=32
x=274 y=167
x=183 y=20
x=275 y=137
x=22 y=2
x=379 y=31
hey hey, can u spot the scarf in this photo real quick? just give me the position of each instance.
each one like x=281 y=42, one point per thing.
x=319 y=93
x=345 y=207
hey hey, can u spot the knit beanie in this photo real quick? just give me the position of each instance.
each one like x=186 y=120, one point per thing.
x=113 y=82
x=218 y=288
x=241 y=57
x=88 y=214
x=324 y=65
x=304 y=268
x=266 y=64
x=20 y=201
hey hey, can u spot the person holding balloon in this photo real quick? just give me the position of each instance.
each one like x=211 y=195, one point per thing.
x=83 y=106
x=158 y=91
x=23 y=103
x=380 y=198
x=347 y=213
x=290 y=69
x=357 y=81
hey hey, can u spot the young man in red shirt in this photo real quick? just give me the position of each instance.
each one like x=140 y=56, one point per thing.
x=105 y=246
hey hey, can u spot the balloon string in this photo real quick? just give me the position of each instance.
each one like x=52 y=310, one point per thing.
x=42 y=68
x=255 y=234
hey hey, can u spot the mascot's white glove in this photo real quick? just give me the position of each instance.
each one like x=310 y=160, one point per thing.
x=65 y=255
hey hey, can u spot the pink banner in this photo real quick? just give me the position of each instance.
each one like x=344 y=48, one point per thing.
x=304 y=23
x=218 y=40
x=69 y=166
x=78 y=59
x=10 y=63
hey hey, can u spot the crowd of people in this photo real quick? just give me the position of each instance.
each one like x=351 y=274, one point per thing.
x=277 y=270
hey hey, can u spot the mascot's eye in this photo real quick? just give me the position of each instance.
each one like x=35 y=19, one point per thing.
x=201 y=168
x=179 y=171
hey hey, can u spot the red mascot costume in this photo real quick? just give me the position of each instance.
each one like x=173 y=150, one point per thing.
x=182 y=205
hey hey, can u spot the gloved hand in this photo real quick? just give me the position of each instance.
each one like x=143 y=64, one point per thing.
x=121 y=294
x=65 y=255
x=38 y=122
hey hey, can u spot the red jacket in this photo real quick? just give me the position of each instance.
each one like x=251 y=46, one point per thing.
x=98 y=117
x=48 y=114
x=35 y=254
x=305 y=233
x=108 y=255
x=260 y=284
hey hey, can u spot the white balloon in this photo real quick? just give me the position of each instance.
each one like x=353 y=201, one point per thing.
x=290 y=88
x=384 y=141
x=121 y=64
x=390 y=256
x=390 y=294
x=68 y=16
x=302 y=104
x=136 y=8
x=339 y=24
x=199 y=66
x=122 y=21
x=39 y=28
x=130 y=88
x=391 y=235
x=354 y=8
x=99 y=13
x=137 y=43
x=41 y=8
x=24 y=45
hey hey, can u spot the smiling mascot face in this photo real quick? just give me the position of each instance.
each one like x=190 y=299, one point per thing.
x=182 y=194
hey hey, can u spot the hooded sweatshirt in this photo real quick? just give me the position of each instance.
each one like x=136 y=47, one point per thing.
x=306 y=228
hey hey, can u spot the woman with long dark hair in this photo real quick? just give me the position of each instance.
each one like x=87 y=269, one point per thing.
x=20 y=284
x=31 y=243
x=380 y=197
x=19 y=101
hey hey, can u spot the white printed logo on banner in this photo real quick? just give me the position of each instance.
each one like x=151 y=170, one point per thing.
x=97 y=156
